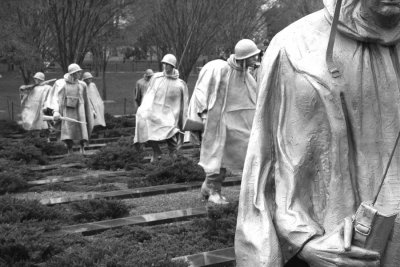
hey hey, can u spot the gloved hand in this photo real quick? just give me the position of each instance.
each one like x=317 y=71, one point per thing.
x=204 y=117
x=56 y=116
x=335 y=249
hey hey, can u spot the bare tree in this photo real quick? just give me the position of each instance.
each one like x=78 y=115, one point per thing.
x=281 y=13
x=101 y=49
x=187 y=27
x=24 y=35
x=75 y=24
x=243 y=19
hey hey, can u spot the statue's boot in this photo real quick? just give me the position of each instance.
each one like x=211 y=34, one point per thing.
x=212 y=195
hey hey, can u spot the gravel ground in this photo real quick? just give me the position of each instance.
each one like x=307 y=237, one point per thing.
x=175 y=201
x=145 y=205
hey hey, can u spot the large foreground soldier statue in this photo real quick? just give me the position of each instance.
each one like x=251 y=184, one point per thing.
x=313 y=155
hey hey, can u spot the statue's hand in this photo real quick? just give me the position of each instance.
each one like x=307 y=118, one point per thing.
x=56 y=116
x=335 y=249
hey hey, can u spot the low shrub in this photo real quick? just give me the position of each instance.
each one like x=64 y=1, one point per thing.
x=47 y=148
x=8 y=127
x=33 y=243
x=121 y=122
x=116 y=155
x=165 y=171
x=22 y=152
x=155 y=246
x=18 y=210
x=99 y=209
x=11 y=183
x=175 y=171
x=14 y=176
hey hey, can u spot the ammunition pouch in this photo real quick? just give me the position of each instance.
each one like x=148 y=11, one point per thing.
x=71 y=101
x=372 y=228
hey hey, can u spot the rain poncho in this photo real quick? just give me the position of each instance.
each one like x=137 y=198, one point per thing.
x=32 y=101
x=69 y=98
x=163 y=109
x=96 y=104
x=227 y=93
x=141 y=89
x=296 y=180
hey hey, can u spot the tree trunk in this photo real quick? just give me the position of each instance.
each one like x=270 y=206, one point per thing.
x=105 y=59
x=26 y=74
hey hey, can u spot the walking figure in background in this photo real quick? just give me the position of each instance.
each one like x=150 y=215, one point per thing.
x=224 y=100
x=141 y=87
x=32 y=101
x=163 y=110
x=95 y=100
x=68 y=99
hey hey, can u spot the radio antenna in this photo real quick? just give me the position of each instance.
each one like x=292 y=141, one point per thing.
x=386 y=170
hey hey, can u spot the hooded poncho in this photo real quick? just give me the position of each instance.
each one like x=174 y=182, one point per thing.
x=69 y=98
x=97 y=104
x=227 y=92
x=296 y=181
x=163 y=109
x=32 y=101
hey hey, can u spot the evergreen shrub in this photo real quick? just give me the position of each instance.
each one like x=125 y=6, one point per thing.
x=116 y=155
x=99 y=209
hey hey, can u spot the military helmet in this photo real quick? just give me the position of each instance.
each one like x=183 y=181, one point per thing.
x=149 y=73
x=245 y=48
x=39 y=76
x=169 y=59
x=87 y=75
x=74 y=68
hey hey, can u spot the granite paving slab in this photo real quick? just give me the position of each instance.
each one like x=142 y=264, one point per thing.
x=146 y=219
x=88 y=153
x=138 y=192
x=15 y=136
x=210 y=258
x=90 y=147
x=106 y=140
x=56 y=166
x=64 y=179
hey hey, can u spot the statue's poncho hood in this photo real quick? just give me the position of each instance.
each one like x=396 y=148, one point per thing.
x=352 y=24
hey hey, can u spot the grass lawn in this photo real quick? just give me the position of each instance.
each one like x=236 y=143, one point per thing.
x=119 y=87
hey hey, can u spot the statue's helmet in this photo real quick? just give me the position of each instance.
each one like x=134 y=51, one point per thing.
x=245 y=48
x=72 y=68
x=39 y=76
x=169 y=59
x=149 y=73
x=87 y=75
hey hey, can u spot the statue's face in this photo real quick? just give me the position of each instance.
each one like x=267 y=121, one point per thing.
x=251 y=61
x=76 y=75
x=382 y=8
x=168 y=68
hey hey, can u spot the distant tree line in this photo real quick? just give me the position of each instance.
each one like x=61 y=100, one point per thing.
x=35 y=33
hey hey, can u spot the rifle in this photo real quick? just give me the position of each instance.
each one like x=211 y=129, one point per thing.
x=31 y=86
x=50 y=118
x=372 y=226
